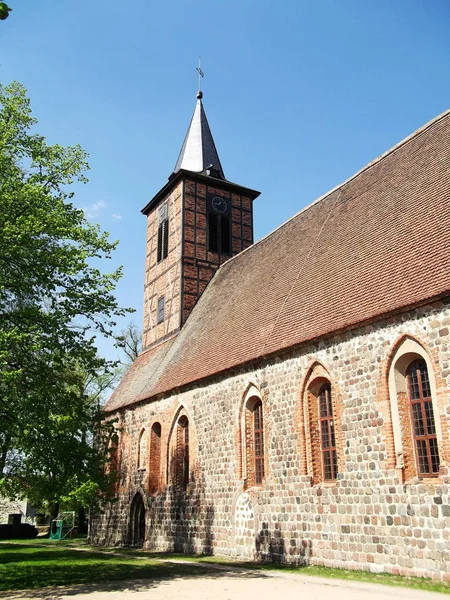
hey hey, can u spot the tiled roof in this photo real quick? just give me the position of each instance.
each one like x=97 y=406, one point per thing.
x=377 y=243
x=143 y=370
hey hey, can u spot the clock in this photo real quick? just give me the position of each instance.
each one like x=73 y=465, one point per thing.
x=219 y=204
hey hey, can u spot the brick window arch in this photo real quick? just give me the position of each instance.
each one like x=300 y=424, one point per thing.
x=321 y=418
x=180 y=453
x=252 y=440
x=416 y=427
x=114 y=453
x=113 y=464
x=154 y=477
x=142 y=450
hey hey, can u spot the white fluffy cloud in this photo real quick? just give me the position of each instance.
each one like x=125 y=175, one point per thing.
x=93 y=210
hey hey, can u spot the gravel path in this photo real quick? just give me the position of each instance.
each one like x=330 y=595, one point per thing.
x=229 y=584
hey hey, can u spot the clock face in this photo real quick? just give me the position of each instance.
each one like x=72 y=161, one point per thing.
x=219 y=204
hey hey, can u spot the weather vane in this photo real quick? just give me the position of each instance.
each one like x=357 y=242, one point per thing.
x=200 y=74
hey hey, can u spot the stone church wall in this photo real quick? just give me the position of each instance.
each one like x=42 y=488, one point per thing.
x=377 y=515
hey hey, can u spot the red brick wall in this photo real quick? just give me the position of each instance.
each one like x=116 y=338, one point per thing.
x=199 y=265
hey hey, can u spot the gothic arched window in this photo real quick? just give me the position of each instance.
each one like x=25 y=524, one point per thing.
x=252 y=436
x=327 y=434
x=415 y=428
x=422 y=419
x=142 y=450
x=258 y=441
x=182 y=452
x=154 y=480
x=321 y=417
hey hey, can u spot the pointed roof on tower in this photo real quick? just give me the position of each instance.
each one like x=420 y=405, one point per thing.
x=198 y=152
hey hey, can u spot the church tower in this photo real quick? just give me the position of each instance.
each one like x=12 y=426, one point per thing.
x=196 y=222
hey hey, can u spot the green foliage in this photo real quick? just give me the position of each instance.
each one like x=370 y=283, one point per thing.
x=53 y=301
x=4 y=11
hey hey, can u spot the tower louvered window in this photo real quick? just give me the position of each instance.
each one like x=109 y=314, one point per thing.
x=163 y=233
x=422 y=418
x=327 y=434
x=219 y=238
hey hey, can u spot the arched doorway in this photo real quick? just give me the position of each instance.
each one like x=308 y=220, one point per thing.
x=136 y=533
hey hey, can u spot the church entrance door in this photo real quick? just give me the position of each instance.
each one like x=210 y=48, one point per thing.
x=137 y=521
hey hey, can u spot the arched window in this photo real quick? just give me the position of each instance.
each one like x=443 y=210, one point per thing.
x=154 y=481
x=258 y=441
x=182 y=452
x=327 y=435
x=413 y=411
x=252 y=435
x=142 y=450
x=320 y=414
x=114 y=453
x=422 y=419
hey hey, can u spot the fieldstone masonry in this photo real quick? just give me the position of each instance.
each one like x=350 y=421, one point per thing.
x=375 y=516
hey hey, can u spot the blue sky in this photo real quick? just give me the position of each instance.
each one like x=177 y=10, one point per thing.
x=299 y=95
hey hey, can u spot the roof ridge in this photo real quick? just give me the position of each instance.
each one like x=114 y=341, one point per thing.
x=368 y=166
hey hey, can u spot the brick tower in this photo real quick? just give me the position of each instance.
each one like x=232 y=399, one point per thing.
x=196 y=222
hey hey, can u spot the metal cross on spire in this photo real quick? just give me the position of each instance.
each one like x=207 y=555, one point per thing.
x=200 y=74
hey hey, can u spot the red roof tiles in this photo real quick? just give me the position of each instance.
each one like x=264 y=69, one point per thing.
x=375 y=244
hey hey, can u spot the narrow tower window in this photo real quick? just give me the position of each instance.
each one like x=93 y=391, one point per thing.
x=225 y=235
x=219 y=229
x=163 y=233
x=160 y=315
x=213 y=234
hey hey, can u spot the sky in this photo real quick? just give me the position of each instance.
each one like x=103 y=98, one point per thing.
x=299 y=95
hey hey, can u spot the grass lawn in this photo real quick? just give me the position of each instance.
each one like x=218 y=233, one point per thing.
x=33 y=564
x=39 y=563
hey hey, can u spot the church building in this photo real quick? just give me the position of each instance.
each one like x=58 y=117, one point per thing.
x=292 y=399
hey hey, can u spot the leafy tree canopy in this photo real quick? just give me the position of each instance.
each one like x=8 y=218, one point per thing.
x=53 y=301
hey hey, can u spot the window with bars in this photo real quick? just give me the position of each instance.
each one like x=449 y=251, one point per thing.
x=163 y=233
x=258 y=441
x=422 y=419
x=327 y=433
x=182 y=452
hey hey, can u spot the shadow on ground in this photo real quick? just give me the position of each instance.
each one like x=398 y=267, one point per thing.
x=36 y=571
x=164 y=573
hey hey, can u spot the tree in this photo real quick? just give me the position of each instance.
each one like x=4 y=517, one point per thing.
x=4 y=11
x=130 y=341
x=53 y=301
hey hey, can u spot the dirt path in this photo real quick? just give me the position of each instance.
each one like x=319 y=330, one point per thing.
x=222 y=584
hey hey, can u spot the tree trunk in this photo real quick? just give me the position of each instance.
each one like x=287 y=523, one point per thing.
x=54 y=510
